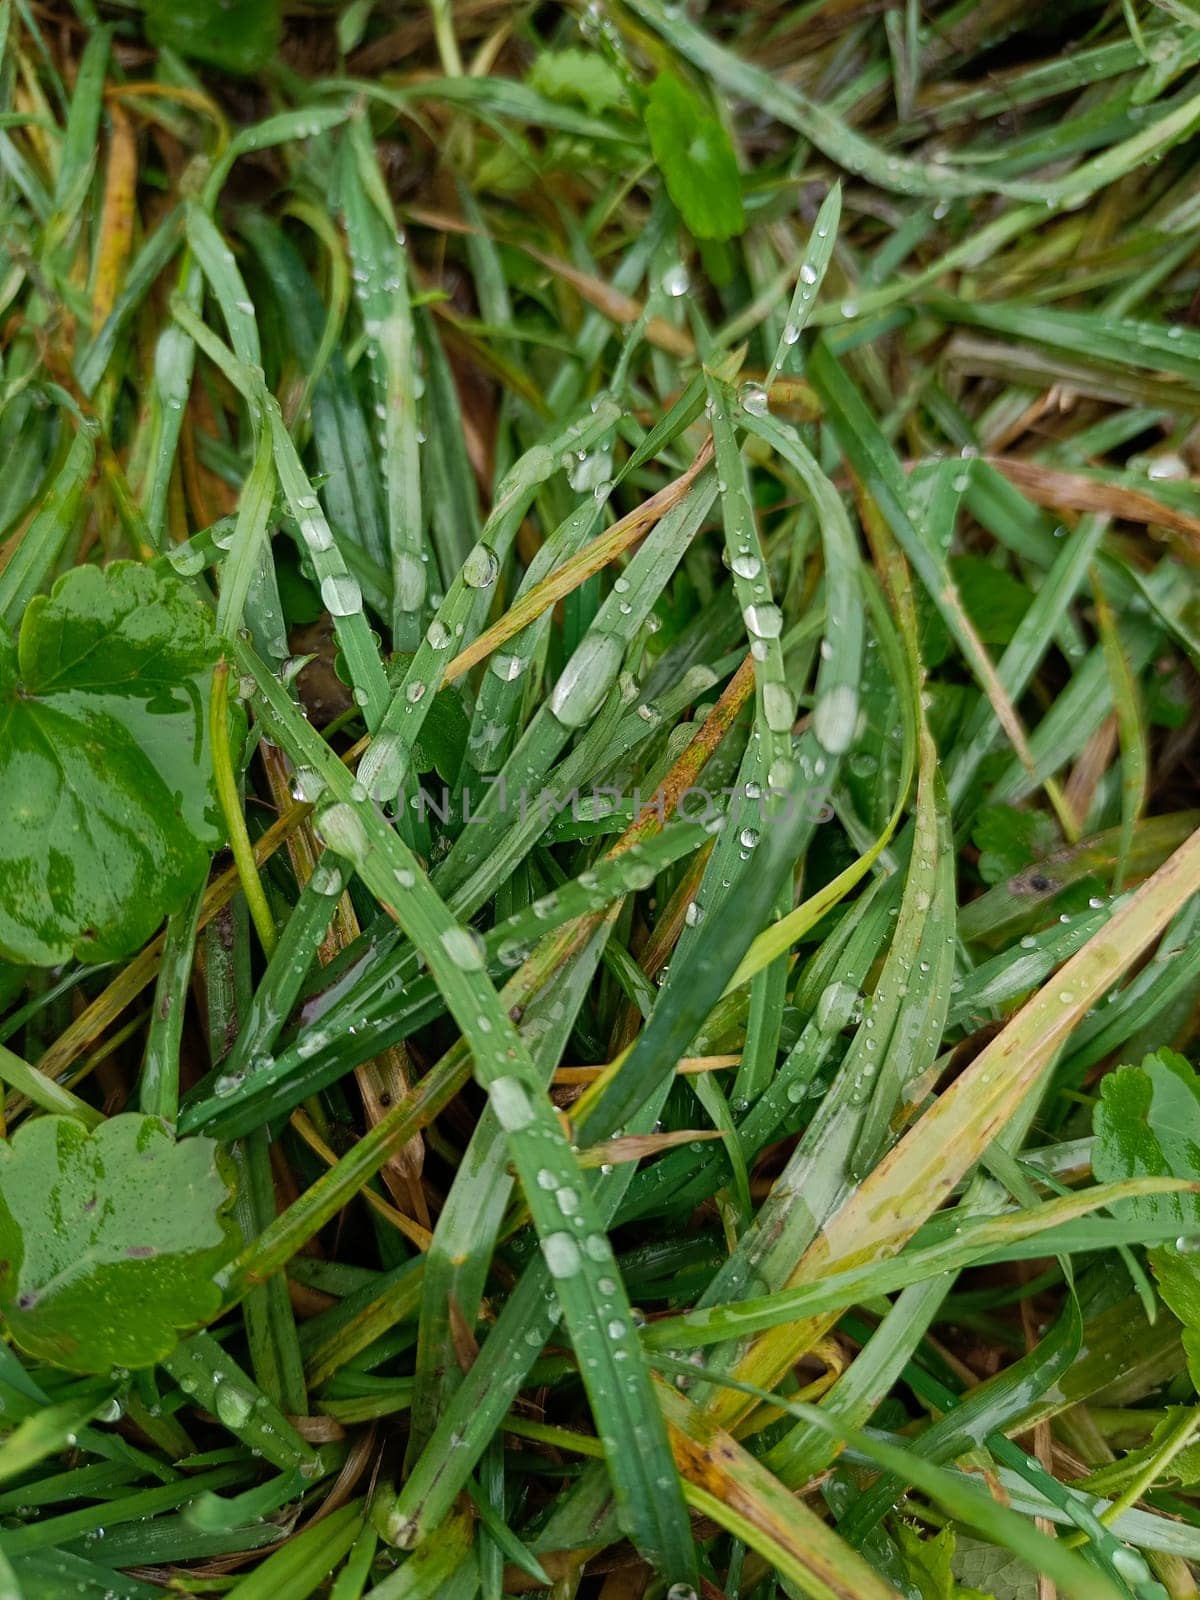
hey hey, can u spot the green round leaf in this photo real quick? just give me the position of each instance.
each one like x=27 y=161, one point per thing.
x=238 y=38
x=109 y=1240
x=696 y=159
x=104 y=763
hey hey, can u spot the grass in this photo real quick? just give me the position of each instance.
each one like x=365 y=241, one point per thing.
x=635 y=814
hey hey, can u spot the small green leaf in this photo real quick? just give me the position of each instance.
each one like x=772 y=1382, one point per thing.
x=994 y=600
x=104 y=764
x=443 y=736
x=994 y=1571
x=928 y=1560
x=580 y=75
x=109 y=1240
x=1180 y=1467
x=237 y=38
x=1148 y=1124
x=1008 y=839
x=696 y=159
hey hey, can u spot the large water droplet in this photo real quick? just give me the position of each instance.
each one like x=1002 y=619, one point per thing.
x=754 y=399
x=511 y=1103
x=763 y=621
x=342 y=830
x=507 y=667
x=836 y=1006
x=779 y=708
x=562 y=1255
x=341 y=595
x=834 y=717
x=586 y=679
x=675 y=281
x=480 y=568
x=409 y=580
x=233 y=1405
x=464 y=948
x=187 y=560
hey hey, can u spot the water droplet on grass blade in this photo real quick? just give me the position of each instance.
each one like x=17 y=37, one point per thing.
x=586 y=679
x=341 y=595
x=562 y=1255
x=834 y=717
x=779 y=709
x=763 y=621
x=480 y=568
x=464 y=948
x=507 y=667
x=511 y=1103
x=233 y=1405
x=187 y=560
x=754 y=399
x=342 y=830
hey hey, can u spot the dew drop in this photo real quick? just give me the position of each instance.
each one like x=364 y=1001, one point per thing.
x=341 y=595
x=507 y=667
x=464 y=948
x=511 y=1103
x=754 y=399
x=233 y=1405
x=187 y=560
x=763 y=621
x=562 y=1255
x=586 y=678
x=834 y=717
x=480 y=568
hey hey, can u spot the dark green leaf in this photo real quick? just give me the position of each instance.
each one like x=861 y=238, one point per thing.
x=696 y=159
x=109 y=1240
x=443 y=736
x=994 y=600
x=1148 y=1123
x=239 y=38
x=105 y=765
x=1008 y=839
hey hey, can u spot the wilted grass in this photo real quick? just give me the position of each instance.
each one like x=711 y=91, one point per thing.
x=698 y=514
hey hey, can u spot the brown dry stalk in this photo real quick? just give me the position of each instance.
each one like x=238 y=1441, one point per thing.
x=1051 y=487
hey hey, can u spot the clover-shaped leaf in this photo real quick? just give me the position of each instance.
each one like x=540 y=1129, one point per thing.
x=104 y=764
x=110 y=1240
